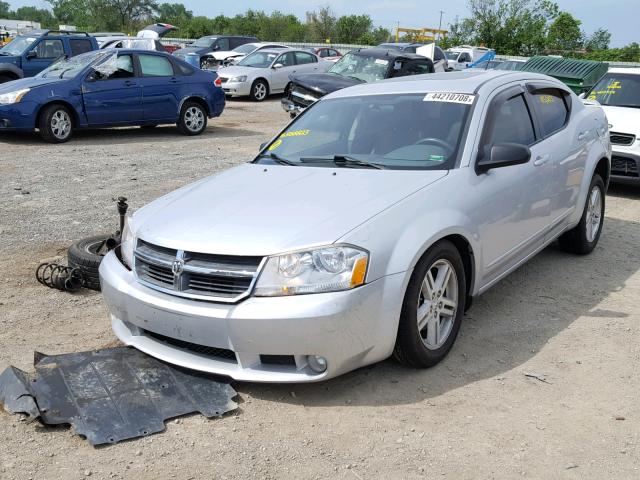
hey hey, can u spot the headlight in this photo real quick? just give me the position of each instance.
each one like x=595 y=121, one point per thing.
x=327 y=269
x=240 y=79
x=13 y=97
x=127 y=243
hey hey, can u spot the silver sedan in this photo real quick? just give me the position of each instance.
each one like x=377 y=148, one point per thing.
x=364 y=229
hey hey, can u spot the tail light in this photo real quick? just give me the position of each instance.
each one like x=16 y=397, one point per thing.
x=217 y=82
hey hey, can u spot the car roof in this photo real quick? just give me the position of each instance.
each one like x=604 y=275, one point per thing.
x=469 y=81
x=387 y=53
x=632 y=71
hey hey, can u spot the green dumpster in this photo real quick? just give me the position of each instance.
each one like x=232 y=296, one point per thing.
x=579 y=75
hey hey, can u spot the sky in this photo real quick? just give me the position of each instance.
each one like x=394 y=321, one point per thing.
x=620 y=17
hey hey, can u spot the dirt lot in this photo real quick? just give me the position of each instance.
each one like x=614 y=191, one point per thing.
x=572 y=321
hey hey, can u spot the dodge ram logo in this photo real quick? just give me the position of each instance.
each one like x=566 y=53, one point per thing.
x=177 y=267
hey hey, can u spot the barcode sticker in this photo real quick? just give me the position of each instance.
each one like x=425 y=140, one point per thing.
x=462 y=98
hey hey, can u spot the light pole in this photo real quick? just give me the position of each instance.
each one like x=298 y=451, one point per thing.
x=439 y=25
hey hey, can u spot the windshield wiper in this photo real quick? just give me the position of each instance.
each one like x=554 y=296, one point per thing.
x=278 y=159
x=344 y=161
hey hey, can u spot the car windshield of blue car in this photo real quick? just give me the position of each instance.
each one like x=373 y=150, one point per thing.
x=17 y=46
x=258 y=60
x=362 y=67
x=204 y=42
x=408 y=131
x=617 y=90
x=70 y=67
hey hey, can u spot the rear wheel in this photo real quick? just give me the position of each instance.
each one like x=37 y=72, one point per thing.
x=55 y=124
x=193 y=119
x=6 y=78
x=433 y=307
x=584 y=237
x=259 y=91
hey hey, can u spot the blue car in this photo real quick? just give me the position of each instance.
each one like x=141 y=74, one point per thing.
x=109 y=88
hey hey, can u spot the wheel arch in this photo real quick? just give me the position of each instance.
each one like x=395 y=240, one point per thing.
x=74 y=114
x=199 y=100
x=603 y=168
x=266 y=82
x=12 y=71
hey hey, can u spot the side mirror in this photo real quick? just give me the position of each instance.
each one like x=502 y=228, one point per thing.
x=32 y=54
x=215 y=48
x=262 y=145
x=277 y=66
x=583 y=95
x=503 y=155
x=92 y=76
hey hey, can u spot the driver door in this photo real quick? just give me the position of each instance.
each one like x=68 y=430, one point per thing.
x=42 y=55
x=280 y=74
x=113 y=94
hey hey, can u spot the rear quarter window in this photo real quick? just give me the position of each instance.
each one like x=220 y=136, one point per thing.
x=80 y=46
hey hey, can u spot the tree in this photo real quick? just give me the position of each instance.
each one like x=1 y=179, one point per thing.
x=599 y=40
x=173 y=13
x=350 y=28
x=321 y=25
x=5 y=10
x=131 y=11
x=564 y=33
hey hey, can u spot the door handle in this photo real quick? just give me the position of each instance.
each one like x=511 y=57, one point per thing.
x=541 y=160
x=174 y=80
x=129 y=83
x=583 y=135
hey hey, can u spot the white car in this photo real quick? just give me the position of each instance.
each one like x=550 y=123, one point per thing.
x=267 y=71
x=363 y=229
x=619 y=94
x=231 y=57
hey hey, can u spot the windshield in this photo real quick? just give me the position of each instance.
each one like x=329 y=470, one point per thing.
x=452 y=55
x=17 y=46
x=508 y=65
x=361 y=66
x=258 y=60
x=204 y=42
x=385 y=131
x=617 y=90
x=246 y=48
x=69 y=68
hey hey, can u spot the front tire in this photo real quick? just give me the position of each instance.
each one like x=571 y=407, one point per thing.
x=433 y=307
x=259 y=91
x=582 y=239
x=193 y=119
x=56 y=124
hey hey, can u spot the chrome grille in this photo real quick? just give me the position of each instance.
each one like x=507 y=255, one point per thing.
x=622 y=138
x=304 y=96
x=201 y=276
x=626 y=167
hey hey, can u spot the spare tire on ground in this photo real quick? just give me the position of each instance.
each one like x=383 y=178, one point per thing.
x=86 y=255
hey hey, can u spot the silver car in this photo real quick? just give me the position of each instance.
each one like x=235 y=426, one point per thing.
x=362 y=230
x=267 y=71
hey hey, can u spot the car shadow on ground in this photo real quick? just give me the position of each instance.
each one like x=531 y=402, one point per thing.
x=123 y=135
x=505 y=328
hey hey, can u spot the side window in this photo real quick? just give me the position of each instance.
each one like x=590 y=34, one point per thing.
x=286 y=60
x=223 y=44
x=438 y=54
x=49 y=48
x=513 y=123
x=410 y=49
x=417 y=68
x=465 y=57
x=115 y=68
x=551 y=109
x=155 y=66
x=80 y=46
x=333 y=53
x=302 y=58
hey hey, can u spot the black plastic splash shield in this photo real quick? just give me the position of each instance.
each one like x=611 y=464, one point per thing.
x=113 y=394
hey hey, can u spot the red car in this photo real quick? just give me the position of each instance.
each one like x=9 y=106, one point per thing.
x=327 y=53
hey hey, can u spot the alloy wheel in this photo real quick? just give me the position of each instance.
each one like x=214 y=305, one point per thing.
x=60 y=124
x=194 y=119
x=260 y=91
x=594 y=214
x=437 y=304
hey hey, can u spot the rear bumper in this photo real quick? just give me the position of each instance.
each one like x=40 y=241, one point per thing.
x=625 y=165
x=349 y=329
x=18 y=116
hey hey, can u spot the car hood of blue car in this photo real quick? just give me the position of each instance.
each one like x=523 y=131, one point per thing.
x=28 y=83
x=198 y=50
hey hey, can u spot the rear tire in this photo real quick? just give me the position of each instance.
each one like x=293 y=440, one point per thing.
x=55 y=124
x=84 y=256
x=433 y=307
x=259 y=91
x=6 y=78
x=193 y=119
x=582 y=239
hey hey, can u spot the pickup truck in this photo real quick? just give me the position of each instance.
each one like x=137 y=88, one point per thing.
x=30 y=53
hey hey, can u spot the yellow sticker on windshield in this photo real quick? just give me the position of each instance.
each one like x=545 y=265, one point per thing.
x=275 y=145
x=295 y=133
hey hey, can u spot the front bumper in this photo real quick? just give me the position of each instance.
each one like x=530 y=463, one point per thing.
x=349 y=329
x=291 y=107
x=18 y=116
x=236 y=89
x=625 y=164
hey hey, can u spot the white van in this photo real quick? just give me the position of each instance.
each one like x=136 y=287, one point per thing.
x=459 y=58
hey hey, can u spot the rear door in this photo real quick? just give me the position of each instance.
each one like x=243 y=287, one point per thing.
x=113 y=94
x=160 y=88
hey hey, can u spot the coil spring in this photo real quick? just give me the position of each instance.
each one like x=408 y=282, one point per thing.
x=60 y=277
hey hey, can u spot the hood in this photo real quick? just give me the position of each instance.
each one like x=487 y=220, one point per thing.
x=198 y=50
x=32 y=82
x=236 y=71
x=263 y=210
x=13 y=59
x=623 y=119
x=325 y=83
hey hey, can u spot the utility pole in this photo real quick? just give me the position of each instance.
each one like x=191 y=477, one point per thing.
x=439 y=26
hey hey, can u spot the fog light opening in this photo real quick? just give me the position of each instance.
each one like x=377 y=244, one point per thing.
x=317 y=363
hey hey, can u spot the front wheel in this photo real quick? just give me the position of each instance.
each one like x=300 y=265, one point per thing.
x=193 y=119
x=55 y=124
x=433 y=307
x=259 y=90
x=584 y=237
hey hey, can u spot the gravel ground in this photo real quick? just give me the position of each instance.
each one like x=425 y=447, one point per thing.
x=572 y=321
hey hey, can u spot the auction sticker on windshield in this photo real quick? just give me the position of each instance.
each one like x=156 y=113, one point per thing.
x=462 y=98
